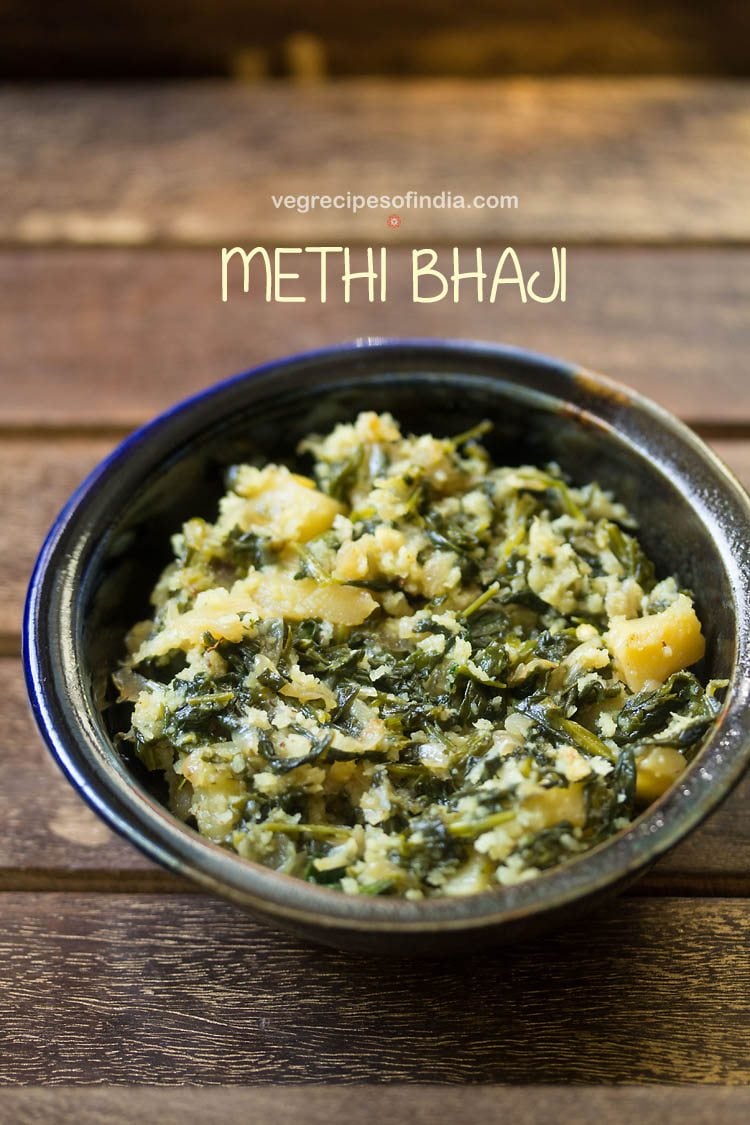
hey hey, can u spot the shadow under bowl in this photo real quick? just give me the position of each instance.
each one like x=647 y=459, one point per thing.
x=103 y=555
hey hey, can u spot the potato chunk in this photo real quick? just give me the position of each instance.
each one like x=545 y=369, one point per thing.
x=656 y=771
x=218 y=795
x=551 y=806
x=297 y=599
x=286 y=506
x=649 y=649
x=221 y=612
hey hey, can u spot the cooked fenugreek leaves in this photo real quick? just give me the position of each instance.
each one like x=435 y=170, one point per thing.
x=417 y=674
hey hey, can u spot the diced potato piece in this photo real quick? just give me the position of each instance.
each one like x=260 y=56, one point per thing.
x=551 y=806
x=220 y=612
x=339 y=773
x=472 y=877
x=305 y=687
x=216 y=611
x=386 y=552
x=439 y=573
x=218 y=795
x=656 y=771
x=286 y=506
x=352 y=560
x=649 y=649
x=299 y=598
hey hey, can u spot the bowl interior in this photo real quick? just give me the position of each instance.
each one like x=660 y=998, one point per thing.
x=527 y=427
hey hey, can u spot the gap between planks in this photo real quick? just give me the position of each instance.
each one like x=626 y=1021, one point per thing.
x=400 y=242
x=654 y=884
x=722 y=430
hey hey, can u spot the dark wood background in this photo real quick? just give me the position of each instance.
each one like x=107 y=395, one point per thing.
x=114 y=201
x=257 y=39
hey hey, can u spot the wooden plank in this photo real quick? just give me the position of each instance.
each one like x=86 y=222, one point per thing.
x=94 y=337
x=371 y=1105
x=46 y=825
x=50 y=838
x=610 y=159
x=434 y=36
x=168 y=990
x=36 y=478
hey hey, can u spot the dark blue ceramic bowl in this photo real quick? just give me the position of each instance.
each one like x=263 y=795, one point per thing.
x=108 y=545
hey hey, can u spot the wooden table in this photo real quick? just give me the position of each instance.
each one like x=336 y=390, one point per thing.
x=114 y=205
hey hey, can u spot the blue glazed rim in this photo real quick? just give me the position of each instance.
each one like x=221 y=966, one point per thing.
x=86 y=756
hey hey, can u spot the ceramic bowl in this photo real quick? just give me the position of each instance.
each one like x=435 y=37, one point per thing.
x=108 y=545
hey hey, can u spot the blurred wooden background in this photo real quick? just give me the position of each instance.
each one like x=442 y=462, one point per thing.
x=312 y=41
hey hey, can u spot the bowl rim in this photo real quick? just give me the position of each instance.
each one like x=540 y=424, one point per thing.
x=93 y=767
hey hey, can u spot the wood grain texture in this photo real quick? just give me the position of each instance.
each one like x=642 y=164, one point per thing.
x=371 y=1105
x=167 y=990
x=45 y=824
x=610 y=159
x=109 y=337
x=36 y=478
x=50 y=838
